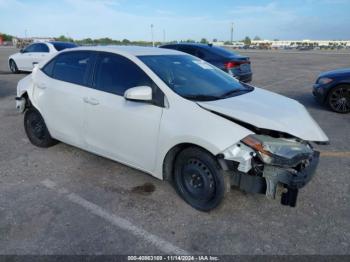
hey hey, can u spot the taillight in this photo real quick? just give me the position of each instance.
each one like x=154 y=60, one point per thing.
x=229 y=65
x=232 y=64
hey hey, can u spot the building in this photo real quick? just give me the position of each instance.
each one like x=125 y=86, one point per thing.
x=295 y=43
x=22 y=42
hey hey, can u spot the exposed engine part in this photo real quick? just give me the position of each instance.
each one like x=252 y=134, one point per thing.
x=241 y=154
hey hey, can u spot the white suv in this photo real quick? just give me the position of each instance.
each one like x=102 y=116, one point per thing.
x=175 y=117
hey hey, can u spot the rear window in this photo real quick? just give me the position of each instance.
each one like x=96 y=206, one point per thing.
x=61 y=46
x=221 y=51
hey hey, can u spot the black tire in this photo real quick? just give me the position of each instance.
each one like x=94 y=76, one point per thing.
x=339 y=99
x=36 y=129
x=198 y=179
x=13 y=67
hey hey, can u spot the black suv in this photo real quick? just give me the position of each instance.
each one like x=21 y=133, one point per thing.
x=236 y=65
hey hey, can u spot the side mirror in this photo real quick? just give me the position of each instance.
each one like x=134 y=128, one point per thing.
x=21 y=51
x=139 y=93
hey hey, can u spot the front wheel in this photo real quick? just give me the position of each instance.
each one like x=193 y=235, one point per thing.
x=13 y=67
x=199 y=179
x=36 y=129
x=339 y=99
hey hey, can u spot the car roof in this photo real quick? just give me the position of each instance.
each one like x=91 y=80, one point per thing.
x=192 y=44
x=131 y=50
x=60 y=42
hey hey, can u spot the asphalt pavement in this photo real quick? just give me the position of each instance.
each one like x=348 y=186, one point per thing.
x=63 y=200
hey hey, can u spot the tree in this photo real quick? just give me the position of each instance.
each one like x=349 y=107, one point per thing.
x=126 y=41
x=247 y=40
x=63 y=38
x=215 y=40
x=257 y=38
x=189 y=41
x=204 y=41
x=6 y=37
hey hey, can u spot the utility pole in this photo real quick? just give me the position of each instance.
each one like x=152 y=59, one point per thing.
x=152 y=34
x=231 y=33
x=25 y=33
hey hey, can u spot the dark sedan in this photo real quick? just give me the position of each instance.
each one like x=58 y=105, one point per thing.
x=234 y=64
x=333 y=89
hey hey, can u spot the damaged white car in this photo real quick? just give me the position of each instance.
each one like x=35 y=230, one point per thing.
x=175 y=117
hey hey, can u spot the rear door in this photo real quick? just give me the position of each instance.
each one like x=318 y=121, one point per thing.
x=24 y=59
x=40 y=53
x=59 y=91
x=123 y=130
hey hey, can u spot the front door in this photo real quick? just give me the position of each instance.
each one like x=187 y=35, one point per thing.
x=126 y=131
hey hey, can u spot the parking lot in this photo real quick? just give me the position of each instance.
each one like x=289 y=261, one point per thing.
x=63 y=200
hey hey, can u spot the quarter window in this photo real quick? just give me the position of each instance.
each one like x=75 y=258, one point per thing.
x=115 y=74
x=70 y=67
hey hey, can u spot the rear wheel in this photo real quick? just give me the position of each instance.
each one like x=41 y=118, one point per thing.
x=13 y=66
x=339 y=99
x=199 y=179
x=36 y=129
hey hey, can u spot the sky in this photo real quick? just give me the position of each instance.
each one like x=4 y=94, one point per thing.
x=178 y=19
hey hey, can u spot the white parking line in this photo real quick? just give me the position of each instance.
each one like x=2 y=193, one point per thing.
x=122 y=223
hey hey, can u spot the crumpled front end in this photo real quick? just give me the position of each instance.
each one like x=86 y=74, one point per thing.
x=273 y=166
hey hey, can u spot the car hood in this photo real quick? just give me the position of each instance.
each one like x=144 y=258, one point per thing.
x=335 y=73
x=267 y=110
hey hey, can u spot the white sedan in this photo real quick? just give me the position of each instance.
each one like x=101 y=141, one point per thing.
x=35 y=53
x=175 y=117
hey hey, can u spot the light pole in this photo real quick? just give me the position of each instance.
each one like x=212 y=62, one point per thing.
x=164 y=36
x=152 y=34
x=231 y=33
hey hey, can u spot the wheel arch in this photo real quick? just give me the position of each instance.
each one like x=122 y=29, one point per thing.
x=170 y=157
x=346 y=83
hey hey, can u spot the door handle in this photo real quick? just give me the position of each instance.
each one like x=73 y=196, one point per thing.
x=91 y=101
x=94 y=101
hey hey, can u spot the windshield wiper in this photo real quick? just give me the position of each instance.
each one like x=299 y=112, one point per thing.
x=202 y=97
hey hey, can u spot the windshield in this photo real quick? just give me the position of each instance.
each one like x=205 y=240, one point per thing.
x=193 y=78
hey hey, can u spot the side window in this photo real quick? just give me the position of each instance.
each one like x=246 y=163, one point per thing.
x=29 y=49
x=42 y=48
x=71 y=67
x=205 y=54
x=115 y=74
x=188 y=49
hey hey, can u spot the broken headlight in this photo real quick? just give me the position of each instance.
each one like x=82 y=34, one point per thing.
x=279 y=151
